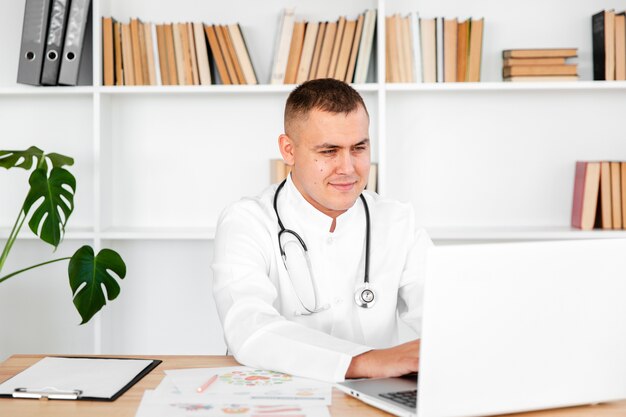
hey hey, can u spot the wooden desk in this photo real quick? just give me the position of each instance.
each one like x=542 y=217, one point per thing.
x=126 y=405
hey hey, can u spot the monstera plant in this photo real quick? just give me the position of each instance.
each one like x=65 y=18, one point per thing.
x=47 y=207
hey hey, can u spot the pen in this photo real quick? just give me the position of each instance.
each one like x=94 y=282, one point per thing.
x=207 y=384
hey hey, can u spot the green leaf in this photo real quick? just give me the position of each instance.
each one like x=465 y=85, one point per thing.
x=24 y=159
x=56 y=196
x=20 y=159
x=92 y=271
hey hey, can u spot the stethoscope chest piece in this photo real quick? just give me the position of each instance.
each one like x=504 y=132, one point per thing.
x=364 y=297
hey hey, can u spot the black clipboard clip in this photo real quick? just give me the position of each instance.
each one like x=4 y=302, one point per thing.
x=47 y=393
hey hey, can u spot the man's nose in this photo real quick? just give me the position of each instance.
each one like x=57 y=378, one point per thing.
x=346 y=163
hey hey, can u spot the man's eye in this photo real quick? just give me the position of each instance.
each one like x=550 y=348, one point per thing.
x=360 y=148
x=328 y=151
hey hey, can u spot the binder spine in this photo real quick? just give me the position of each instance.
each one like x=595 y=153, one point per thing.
x=74 y=41
x=34 y=33
x=54 y=43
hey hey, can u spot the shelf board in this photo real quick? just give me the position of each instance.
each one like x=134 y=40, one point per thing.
x=508 y=86
x=80 y=233
x=520 y=233
x=27 y=90
x=213 y=89
x=152 y=233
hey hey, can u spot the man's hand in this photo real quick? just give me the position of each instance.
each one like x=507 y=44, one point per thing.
x=383 y=363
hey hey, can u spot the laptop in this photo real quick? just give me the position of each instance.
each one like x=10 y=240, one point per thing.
x=515 y=327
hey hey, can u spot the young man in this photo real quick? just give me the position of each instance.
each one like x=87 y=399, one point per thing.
x=328 y=312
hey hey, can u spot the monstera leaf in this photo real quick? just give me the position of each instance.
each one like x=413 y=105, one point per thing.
x=57 y=190
x=24 y=159
x=93 y=271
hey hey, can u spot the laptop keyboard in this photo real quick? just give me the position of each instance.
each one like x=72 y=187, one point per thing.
x=407 y=398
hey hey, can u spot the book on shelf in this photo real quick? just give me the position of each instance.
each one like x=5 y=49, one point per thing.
x=539 y=65
x=281 y=47
x=599 y=195
x=306 y=50
x=450 y=43
x=620 y=46
x=462 y=48
x=183 y=53
x=603 y=44
x=586 y=187
x=475 y=53
x=605 y=195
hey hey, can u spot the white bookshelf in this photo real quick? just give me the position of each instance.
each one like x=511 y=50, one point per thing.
x=155 y=165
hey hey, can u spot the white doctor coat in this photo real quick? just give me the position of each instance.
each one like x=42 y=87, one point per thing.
x=256 y=298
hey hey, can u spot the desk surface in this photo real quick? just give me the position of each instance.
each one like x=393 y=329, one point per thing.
x=126 y=405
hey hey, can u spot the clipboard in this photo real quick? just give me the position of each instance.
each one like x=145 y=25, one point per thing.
x=77 y=378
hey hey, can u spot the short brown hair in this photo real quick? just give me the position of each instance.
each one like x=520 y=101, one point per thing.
x=325 y=94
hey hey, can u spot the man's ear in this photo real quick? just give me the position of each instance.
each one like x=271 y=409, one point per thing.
x=287 y=149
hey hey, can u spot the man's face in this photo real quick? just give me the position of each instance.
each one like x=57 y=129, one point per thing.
x=330 y=158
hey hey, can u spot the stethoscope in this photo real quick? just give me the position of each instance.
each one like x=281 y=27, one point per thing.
x=363 y=297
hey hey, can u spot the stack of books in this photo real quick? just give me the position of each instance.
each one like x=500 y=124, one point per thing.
x=609 y=45
x=433 y=49
x=53 y=49
x=339 y=49
x=279 y=171
x=599 y=195
x=144 y=53
x=539 y=64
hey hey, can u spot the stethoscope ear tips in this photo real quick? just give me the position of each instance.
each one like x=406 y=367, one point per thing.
x=364 y=297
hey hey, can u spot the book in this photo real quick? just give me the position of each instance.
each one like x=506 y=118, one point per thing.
x=392 y=58
x=586 y=187
x=150 y=54
x=237 y=72
x=540 y=53
x=450 y=40
x=243 y=55
x=620 y=46
x=475 y=50
x=429 y=49
x=365 y=48
x=170 y=50
x=143 y=45
x=295 y=51
x=344 y=50
x=192 y=54
x=278 y=170
x=178 y=54
x=567 y=69
x=34 y=31
x=606 y=205
x=398 y=34
x=616 y=197
x=127 y=55
x=54 y=42
x=533 y=61
x=603 y=44
x=108 y=52
x=281 y=46
x=186 y=53
x=155 y=53
x=334 y=56
x=623 y=192
x=317 y=51
x=216 y=53
x=462 y=48
x=407 y=48
x=308 y=48
x=416 y=48
x=439 y=48
x=548 y=78
x=372 y=179
x=137 y=51
x=202 y=53
x=327 y=49
x=358 y=32
x=117 y=40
